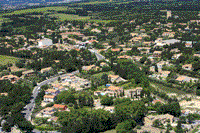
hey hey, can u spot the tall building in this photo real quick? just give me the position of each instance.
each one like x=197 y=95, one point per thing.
x=165 y=13
x=169 y=14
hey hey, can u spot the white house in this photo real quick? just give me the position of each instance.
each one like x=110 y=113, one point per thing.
x=45 y=42
x=47 y=112
x=49 y=98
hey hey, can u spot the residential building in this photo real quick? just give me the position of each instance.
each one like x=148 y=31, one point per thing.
x=187 y=67
x=111 y=109
x=28 y=73
x=103 y=64
x=162 y=63
x=124 y=57
x=176 y=56
x=175 y=50
x=116 y=78
x=163 y=118
x=168 y=34
x=183 y=78
x=52 y=92
x=49 y=98
x=60 y=107
x=155 y=101
x=188 y=45
x=91 y=67
x=116 y=50
x=47 y=112
x=4 y=94
x=133 y=93
x=12 y=78
x=96 y=30
x=126 y=49
x=164 y=74
x=197 y=55
x=116 y=91
x=134 y=34
x=45 y=42
x=136 y=58
x=47 y=69
x=157 y=53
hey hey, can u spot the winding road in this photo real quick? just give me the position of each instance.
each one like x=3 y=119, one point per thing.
x=28 y=109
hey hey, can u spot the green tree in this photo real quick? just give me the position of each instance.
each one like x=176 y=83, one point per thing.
x=125 y=126
x=179 y=128
x=6 y=127
x=66 y=97
x=104 y=79
x=143 y=59
x=157 y=123
x=182 y=119
x=106 y=100
x=190 y=118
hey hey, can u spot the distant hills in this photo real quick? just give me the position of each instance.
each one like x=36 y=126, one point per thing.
x=19 y=2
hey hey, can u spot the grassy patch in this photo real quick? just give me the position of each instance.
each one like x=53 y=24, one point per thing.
x=100 y=74
x=62 y=17
x=110 y=131
x=167 y=89
x=7 y=59
x=38 y=10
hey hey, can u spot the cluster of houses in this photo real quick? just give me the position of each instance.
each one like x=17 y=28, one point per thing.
x=115 y=91
x=49 y=111
x=70 y=81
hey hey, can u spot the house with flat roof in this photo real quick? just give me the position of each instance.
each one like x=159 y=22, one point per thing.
x=47 y=69
x=47 y=112
x=49 y=98
x=52 y=92
x=133 y=93
x=183 y=78
x=28 y=73
x=187 y=67
x=11 y=78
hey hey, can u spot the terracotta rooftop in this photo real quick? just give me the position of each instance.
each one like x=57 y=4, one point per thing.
x=50 y=90
x=58 y=106
x=49 y=96
x=114 y=50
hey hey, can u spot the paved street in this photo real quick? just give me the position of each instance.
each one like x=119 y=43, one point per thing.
x=29 y=108
x=99 y=56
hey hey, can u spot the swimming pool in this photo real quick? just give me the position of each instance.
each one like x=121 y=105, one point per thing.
x=102 y=93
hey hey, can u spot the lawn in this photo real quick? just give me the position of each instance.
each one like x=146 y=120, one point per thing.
x=7 y=59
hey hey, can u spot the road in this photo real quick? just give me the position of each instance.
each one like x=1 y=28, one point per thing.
x=30 y=107
x=99 y=56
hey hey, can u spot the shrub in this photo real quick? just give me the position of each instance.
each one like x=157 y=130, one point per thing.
x=125 y=126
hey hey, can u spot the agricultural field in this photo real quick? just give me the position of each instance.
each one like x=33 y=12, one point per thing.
x=63 y=17
x=38 y=10
x=7 y=59
x=167 y=89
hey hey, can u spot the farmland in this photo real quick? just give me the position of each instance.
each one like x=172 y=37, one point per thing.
x=7 y=59
x=63 y=17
